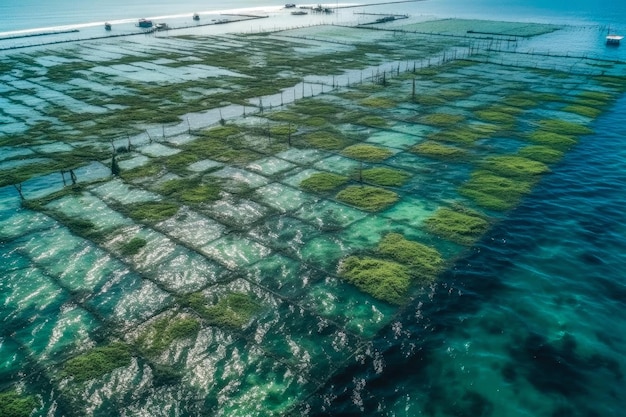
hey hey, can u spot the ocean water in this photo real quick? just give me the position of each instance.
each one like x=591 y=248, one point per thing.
x=530 y=321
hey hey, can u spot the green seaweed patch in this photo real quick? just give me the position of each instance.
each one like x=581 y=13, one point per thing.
x=429 y=100
x=316 y=107
x=181 y=161
x=97 y=362
x=14 y=404
x=191 y=190
x=583 y=110
x=495 y=192
x=452 y=93
x=465 y=136
x=540 y=153
x=441 y=119
x=288 y=116
x=221 y=132
x=460 y=225
x=327 y=140
x=425 y=262
x=378 y=102
x=564 y=127
x=164 y=331
x=353 y=95
x=234 y=310
x=133 y=246
x=313 y=121
x=372 y=121
x=323 y=182
x=152 y=211
x=437 y=150
x=521 y=101
x=385 y=280
x=499 y=117
x=553 y=140
x=515 y=166
x=151 y=169
x=596 y=95
x=283 y=130
x=368 y=153
x=385 y=177
x=367 y=198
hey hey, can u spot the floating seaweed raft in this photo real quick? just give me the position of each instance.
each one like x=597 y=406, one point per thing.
x=261 y=226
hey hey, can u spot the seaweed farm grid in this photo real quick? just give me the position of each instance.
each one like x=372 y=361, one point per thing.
x=198 y=225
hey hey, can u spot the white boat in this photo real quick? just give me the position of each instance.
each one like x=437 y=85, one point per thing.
x=161 y=26
x=107 y=26
x=196 y=16
x=613 y=39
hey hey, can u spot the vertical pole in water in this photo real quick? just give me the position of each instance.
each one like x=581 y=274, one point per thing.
x=281 y=99
x=413 y=94
x=129 y=144
x=18 y=187
x=63 y=176
x=188 y=126
x=149 y=137
x=163 y=130
x=289 y=135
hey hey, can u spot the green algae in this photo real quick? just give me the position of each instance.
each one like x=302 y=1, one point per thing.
x=583 y=110
x=152 y=211
x=148 y=170
x=97 y=362
x=190 y=190
x=179 y=162
x=597 y=95
x=425 y=262
x=325 y=139
x=367 y=153
x=372 y=121
x=441 y=119
x=494 y=116
x=234 y=310
x=495 y=192
x=323 y=182
x=288 y=116
x=460 y=225
x=564 y=127
x=553 y=140
x=14 y=404
x=540 y=153
x=385 y=177
x=466 y=135
x=133 y=246
x=514 y=166
x=283 y=130
x=385 y=280
x=378 y=102
x=163 y=332
x=429 y=100
x=436 y=150
x=367 y=198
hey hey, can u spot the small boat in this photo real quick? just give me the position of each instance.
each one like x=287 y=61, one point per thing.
x=161 y=26
x=196 y=16
x=299 y=13
x=107 y=26
x=613 y=39
x=145 y=23
x=289 y=5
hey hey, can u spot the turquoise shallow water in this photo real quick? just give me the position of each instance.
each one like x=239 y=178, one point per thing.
x=530 y=323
